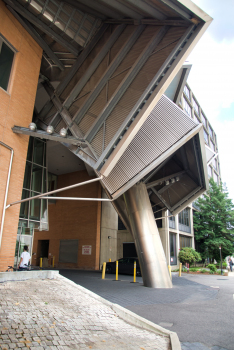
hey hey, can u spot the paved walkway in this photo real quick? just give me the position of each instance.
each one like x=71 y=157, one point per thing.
x=199 y=308
x=56 y=314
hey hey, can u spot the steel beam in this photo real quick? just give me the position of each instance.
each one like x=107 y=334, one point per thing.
x=84 y=8
x=165 y=178
x=147 y=239
x=108 y=73
x=148 y=21
x=62 y=110
x=147 y=9
x=125 y=83
x=42 y=26
x=81 y=58
x=37 y=38
x=179 y=10
x=91 y=69
x=161 y=198
x=100 y=8
x=121 y=8
x=44 y=135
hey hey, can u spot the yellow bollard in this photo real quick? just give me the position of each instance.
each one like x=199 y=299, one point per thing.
x=180 y=269
x=103 y=270
x=169 y=268
x=110 y=260
x=40 y=263
x=117 y=270
x=53 y=261
x=134 y=272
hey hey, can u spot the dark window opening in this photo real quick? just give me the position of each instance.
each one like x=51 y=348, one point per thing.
x=6 y=61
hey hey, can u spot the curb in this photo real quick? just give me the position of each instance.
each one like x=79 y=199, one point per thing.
x=26 y=275
x=129 y=316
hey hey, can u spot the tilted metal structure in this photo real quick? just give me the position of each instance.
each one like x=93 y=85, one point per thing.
x=105 y=67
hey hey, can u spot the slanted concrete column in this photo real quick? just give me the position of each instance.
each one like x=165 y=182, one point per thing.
x=146 y=236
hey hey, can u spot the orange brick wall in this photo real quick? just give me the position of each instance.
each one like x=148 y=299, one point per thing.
x=74 y=220
x=16 y=108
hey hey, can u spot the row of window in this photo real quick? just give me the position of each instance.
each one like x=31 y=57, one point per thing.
x=197 y=113
x=7 y=54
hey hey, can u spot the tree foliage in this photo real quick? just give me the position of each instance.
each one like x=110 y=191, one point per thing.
x=188 y=255
x=214 y=223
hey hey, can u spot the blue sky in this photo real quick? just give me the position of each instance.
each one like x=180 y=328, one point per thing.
x=212 y=80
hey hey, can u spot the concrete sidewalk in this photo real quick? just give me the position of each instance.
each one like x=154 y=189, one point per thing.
x=57 y=314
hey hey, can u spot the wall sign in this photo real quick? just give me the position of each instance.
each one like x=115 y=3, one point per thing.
x=86 y=249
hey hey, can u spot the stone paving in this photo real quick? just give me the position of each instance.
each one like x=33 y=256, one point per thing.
x=53 y=314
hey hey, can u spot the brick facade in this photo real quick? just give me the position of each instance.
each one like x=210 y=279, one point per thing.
x=73 y=220
x=16 y=108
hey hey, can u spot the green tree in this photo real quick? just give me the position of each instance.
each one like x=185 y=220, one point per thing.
x=188 y=255
x=214 y=223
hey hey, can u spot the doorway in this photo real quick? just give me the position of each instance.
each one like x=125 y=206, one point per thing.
x=42 y=249
x=129 y=250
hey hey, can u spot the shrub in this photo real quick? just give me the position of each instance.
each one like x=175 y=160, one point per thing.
x=211 y=272
x=212 y=267
x=176 y=270
x=203 y=270
x=194 y=269
x=188 y=255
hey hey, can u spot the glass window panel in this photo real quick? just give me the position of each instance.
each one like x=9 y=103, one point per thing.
x=33 y=225
x=45 y=145
x=38 y=152
x=186 y=91
x=27 y=175
x=209 y=171
x=216 y=178
x=196 y=119
x=44 y=214
x=26 y=231
x=44 y=185
x=206 y=137
x=195 y=105
x=24 y=205
x=212 y=146
x=16 y=259
x=215 y=164
x=6 y=60
x=30 y=149
x=23 y=223
x=36 y=178
x=187 y=108
x=34 y=212
x=203 y=119
x=210 y=132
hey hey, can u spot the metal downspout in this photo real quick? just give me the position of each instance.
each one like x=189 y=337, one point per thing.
x=7 y=188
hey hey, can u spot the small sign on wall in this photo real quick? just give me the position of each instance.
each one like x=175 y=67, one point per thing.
x=86 y=249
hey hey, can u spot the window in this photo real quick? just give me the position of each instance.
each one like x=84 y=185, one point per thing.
x=6 y=61
x=187 y=108
x=35 y=212
x=186 y=91
x=171 y=220
x=206 y=137
x=196 y=119
x=210 y=132
x=203 y=119
x=195 y=105
x=184 y=221
x=185 y=242
x=212 y=146
x=121 y=225
x=216 y=178
x=209 y=171
x=215 y=164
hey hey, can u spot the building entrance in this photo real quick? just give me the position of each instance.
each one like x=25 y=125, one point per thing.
x=129 y=250
x=42 y=249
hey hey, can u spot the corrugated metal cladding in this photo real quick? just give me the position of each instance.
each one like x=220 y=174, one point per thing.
x=135 y=90
x=166 y=125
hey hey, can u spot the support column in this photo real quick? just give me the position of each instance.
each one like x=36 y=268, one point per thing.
x=146 y=236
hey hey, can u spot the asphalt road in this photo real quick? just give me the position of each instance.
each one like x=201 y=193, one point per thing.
x=199 y=308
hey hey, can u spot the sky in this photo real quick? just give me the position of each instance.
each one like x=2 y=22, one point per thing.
x=212 y=80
